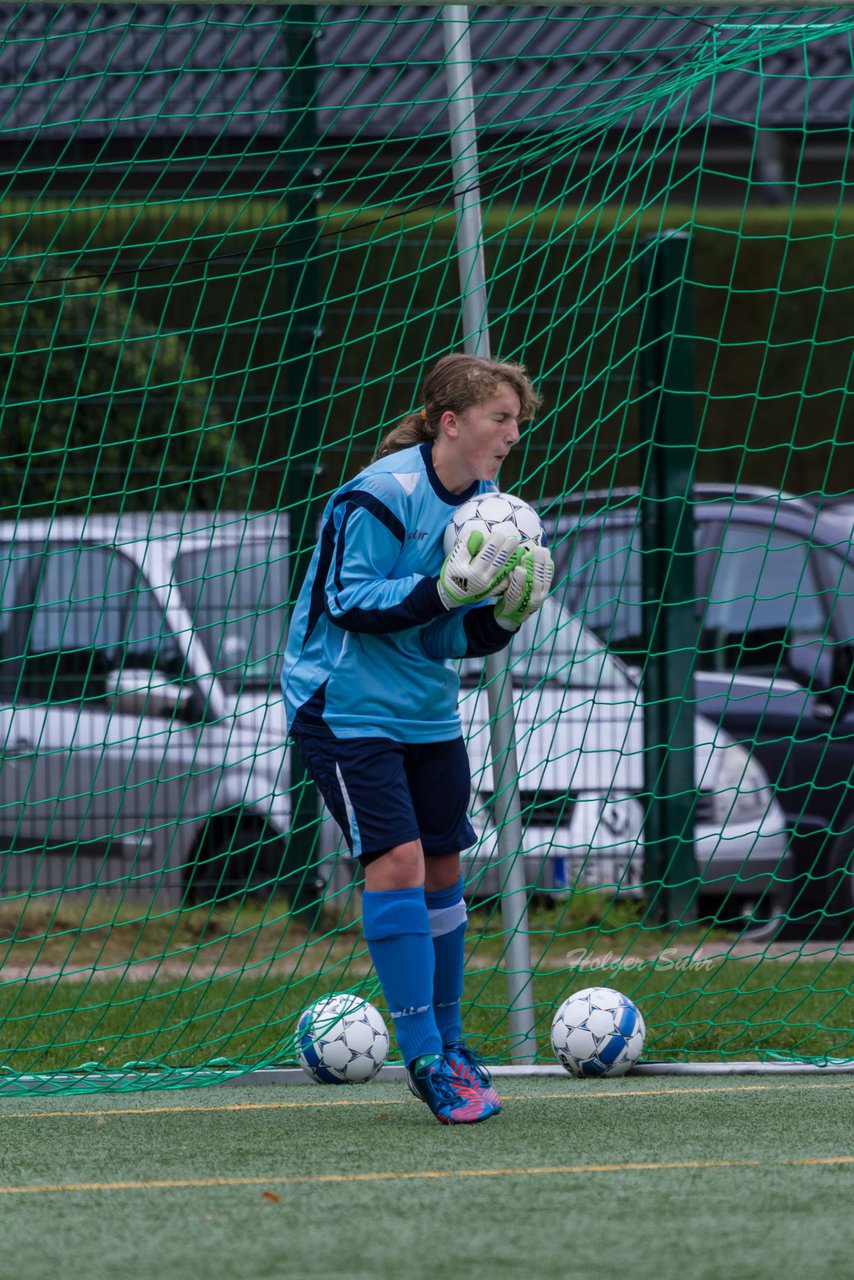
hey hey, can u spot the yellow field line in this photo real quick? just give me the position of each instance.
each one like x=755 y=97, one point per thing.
x=595 y=1095
x=173 y=1184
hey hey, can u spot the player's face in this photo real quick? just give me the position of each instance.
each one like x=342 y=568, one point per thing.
x=481 y=437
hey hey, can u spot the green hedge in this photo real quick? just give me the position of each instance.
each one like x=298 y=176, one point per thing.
x=772 y=299
x=102 y=411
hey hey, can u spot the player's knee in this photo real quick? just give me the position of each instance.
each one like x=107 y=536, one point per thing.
x=401 y=867
x=441 y=872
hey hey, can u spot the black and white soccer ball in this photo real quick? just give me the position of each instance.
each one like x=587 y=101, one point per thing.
x=341 y=1039
x=488 y=511
x=598 y=1032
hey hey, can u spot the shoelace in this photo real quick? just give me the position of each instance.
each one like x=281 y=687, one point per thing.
x=441 y=1078
x=473 y=1060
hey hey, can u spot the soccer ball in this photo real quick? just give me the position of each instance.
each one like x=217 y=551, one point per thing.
x=341 y=1039
x=488 y=511
x=598 y=1032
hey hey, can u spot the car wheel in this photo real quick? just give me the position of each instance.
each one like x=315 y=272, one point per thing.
x=240 y=857
x=840 y=881
x=755 y=919
x=766 y=921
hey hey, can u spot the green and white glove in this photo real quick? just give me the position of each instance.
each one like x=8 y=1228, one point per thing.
x=527 y=587
x=478 y=567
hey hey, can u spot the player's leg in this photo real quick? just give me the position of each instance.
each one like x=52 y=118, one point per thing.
x=448 y=915
x=364 y=785
x=363 y=782
x=397 y=931
x=397 y=928
x=441 y=784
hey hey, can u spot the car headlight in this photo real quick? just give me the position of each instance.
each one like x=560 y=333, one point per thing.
x=739 y=791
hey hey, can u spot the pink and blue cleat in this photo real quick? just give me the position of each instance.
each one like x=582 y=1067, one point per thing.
x=470 y=1066
x=453 y=1098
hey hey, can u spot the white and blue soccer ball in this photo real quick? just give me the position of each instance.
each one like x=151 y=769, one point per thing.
x=341 y=1039
x=486 y=512
x=598 y=1032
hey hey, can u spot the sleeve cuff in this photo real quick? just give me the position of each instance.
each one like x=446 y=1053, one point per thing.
x=484 y=632
x=426 y=603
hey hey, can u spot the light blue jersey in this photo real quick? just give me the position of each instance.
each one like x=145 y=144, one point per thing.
x=370 y=643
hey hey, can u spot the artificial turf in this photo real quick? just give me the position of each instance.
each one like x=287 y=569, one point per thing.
x=639 y=1177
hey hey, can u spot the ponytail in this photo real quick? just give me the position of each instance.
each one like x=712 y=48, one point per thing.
x=414 y=428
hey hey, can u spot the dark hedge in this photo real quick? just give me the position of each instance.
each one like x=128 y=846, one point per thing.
x=772 y=295
x=101 y=411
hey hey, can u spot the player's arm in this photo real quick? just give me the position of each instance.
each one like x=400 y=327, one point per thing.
x=474 y=633
x=362 y=547
x=466 y=633
x=360 y=594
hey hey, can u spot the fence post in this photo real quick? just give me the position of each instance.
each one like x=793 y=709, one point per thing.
x=302 y=390
x=667 y=458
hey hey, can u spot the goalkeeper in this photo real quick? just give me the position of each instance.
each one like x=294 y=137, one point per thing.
x=371 y=695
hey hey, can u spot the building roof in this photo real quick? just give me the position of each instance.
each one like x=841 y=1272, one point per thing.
x=200 y=71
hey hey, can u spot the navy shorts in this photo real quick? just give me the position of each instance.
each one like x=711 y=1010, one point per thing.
x=384 y=793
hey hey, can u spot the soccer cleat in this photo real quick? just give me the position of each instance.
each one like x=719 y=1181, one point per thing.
x=470 y=1066
x=452 y=1099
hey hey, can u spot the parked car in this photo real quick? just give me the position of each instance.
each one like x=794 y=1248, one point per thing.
x=142 y=736
x=774 y=617
x=579 y=731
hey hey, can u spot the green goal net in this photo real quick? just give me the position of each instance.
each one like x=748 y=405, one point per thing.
x=233 y=238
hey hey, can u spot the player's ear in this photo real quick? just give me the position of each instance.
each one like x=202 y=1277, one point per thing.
x=448 y=424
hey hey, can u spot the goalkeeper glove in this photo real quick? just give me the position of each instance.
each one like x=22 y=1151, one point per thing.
x=527 y=587
x=478 y=567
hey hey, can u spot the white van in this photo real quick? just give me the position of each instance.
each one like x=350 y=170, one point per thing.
x=142 y=734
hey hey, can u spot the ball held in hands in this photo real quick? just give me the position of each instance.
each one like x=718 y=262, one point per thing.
x=478 y=566
x=528 y=584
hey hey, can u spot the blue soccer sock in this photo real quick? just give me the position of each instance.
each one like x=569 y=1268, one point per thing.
x=446 y=909
x=397 y=931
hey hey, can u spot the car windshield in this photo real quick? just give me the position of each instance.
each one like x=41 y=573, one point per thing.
x=553 y=646
x=236 y=593
x=600 y=569
x=605 y=581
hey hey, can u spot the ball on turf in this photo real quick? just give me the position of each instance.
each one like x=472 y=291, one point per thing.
x=598 y=1032
x=341 y=1039
x=488 y=511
